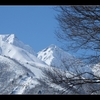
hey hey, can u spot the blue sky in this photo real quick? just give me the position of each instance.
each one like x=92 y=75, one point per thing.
x=33 y=25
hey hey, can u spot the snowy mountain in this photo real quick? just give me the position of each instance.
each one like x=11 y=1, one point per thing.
x=56 y=57
x=10 y=46
x=21 y=67
x=12 y=39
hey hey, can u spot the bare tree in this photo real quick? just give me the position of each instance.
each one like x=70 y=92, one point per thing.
x=79 y=30
x=65 y=82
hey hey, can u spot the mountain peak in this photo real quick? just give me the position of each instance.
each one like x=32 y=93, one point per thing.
x=9 y=38
x=54 y=55
x=13 y=40
x=56 y=50
x=53 y=46
x=12 y=36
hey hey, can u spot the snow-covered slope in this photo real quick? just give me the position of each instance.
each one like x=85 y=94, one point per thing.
x=12 y=39
x=17 y=77
x=11 y=73
x=12 y=47
x=20 y=77
x=56 y=57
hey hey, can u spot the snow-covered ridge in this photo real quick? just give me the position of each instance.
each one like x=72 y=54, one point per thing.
x=53 y=55
x=12 y=39
x=56 y=57
x=12 y=47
